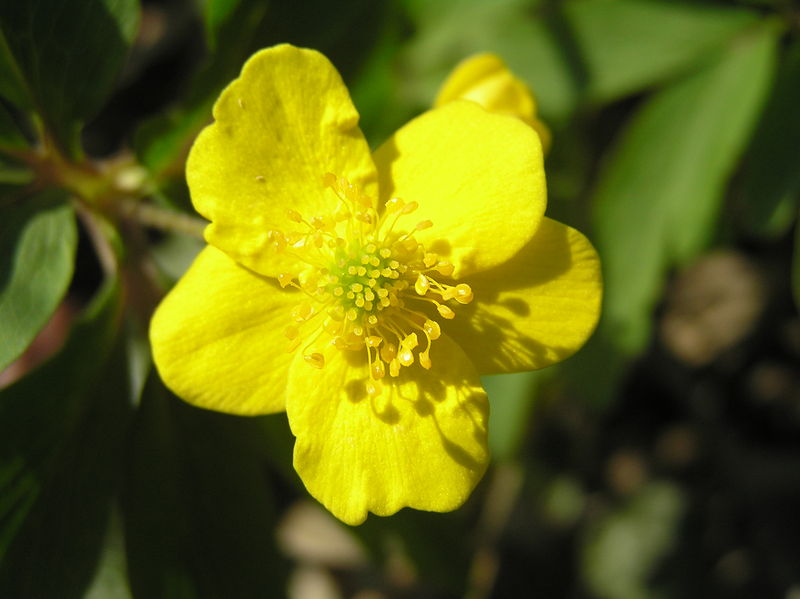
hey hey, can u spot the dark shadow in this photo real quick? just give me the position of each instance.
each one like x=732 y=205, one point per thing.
x=496 y=336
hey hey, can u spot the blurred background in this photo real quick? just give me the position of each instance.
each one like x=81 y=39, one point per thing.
x=663 y=460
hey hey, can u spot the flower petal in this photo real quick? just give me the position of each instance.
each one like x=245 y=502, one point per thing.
x=280 y=127
x=485 y=79
x=421 y=443
x=536 y=309
x=217 y=337
x=477 y=176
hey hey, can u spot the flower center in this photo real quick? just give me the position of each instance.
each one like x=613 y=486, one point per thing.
x=369 y=285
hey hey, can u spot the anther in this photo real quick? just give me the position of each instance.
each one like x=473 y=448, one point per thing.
x=388 y=352
x=430 y=260
x=394 y=367
x=463 y=293
x=373 y=388
x=406 y=357
x=393 y=205
x=303 y=312
x=294 y=216
x=410 y=341
x=422 y=285
x=378 y=370
x=445 y=268
x=425 y=224
x=409 y=208
x=445 y=311
x=316 y=360
x=425 y=360
x=284 y=279
x=432 y=329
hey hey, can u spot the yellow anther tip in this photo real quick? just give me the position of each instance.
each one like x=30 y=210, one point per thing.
x=406 y=357
x=425 y=360
x=316 y=360
x=445 y=311
x=410 y=207
x=422 y=284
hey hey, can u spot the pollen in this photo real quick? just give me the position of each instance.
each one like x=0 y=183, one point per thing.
x=365 y=283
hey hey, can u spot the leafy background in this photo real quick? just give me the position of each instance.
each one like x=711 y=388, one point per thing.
x=661 y=461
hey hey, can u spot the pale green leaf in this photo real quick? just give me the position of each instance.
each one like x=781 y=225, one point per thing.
x=659 y=196
x=628 y=45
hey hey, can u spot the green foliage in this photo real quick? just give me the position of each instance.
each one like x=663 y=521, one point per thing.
x=675 y=130
x=60 y=446
x=37 y=256
x=628 y=45
x=659 y=196
x=66 y=56
x=10 y=134
x=198 y=508
x=771 y=182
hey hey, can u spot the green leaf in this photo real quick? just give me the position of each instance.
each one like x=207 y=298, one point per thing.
x=622 y=550
x=771 y=181
x=628 y=45
x=37 y=255
x=199 y=517
x=796 y=268
x=61 y=439
x=12 y=85
x=512 y=397
x=451 y=31
x=10 y=134
x=68 y=54
x=658 y=199
x=215 y=14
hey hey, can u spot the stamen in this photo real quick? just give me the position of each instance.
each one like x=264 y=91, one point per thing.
x=361 y=276
x=316 y=360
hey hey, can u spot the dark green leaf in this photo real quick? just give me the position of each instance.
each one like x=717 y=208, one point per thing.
x=796 y=268
x=37 y=256
x=628 y=45
x=10 y=134
x=69 y=54
x=215 y=14
x=60 y=446
x=12 y=85
x=659 y=196
x=771 y=182
x=198 y=509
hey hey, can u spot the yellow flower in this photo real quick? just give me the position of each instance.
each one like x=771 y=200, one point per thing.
x=485 y=79
x=366 y=293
